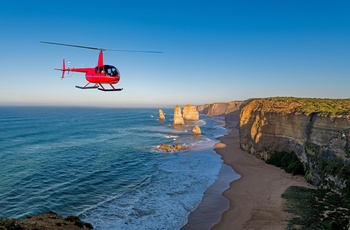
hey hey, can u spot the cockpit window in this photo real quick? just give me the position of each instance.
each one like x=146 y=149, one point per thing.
x=107 y=69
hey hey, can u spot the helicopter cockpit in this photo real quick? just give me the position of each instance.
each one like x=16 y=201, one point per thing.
x=107 y=69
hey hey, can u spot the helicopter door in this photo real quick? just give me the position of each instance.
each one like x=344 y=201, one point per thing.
x=100 y=70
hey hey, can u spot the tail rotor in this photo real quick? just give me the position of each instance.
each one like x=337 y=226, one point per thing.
x=64 y=69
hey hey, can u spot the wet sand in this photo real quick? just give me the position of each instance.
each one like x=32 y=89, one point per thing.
x=255 y=200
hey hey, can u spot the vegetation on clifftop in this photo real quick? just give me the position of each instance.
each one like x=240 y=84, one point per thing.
x=316 y=209
x=323 y=106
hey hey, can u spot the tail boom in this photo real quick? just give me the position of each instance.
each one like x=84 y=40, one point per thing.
x=64 y=69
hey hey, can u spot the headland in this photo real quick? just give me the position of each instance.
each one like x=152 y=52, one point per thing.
x=315 y=132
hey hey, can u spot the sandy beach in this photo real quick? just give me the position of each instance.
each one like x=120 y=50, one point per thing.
x=255 y=200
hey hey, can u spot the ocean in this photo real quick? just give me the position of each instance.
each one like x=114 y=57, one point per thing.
x=102 y=165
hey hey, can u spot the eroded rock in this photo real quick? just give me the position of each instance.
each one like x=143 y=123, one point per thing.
x=190 y=113
x=172 y=148
x=161 y=115
x=178 y=119
x=197 y=130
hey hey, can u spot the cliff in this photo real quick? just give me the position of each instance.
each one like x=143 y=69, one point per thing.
x=316 y=130
x=230 y=110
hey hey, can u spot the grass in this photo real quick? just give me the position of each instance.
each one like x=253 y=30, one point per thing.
x=323 y=106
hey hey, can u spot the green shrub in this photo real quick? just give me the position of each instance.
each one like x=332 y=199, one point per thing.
x=276 y=159
x=309 y=207
x=288 y=161
x=323 y=106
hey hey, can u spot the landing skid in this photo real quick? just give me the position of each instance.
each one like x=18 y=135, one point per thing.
x=120 y=89
x=99 y=86
x=86 y=87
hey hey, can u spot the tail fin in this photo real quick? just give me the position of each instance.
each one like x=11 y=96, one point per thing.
x=63 y=68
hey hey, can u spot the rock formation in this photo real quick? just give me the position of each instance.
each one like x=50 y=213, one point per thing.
x=190 y=113
x=230 y=110
x=310 y=128
x=48 y=221
x=178 y=119
x=233 y=110
x=171 y=148
x=217 y=109
x=161 y=115
x=203 y=108
x=197 y=130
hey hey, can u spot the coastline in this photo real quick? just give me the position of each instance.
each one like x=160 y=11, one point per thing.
x=254 y=200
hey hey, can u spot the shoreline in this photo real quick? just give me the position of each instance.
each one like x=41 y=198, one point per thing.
x=213 y=203
x=254 y=200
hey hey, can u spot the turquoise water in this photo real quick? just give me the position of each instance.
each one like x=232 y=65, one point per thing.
x=102 y=165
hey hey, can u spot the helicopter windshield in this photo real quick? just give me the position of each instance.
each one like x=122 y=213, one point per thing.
x=107 y=69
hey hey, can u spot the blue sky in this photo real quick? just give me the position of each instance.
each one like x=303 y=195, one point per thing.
x=215 y=51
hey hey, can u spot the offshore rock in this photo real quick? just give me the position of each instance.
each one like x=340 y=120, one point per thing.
x=171 y=148
x=178 y=119
x=196 y=130
x=190 y=113
x=319 y=137
x=47 y=221
x=161 y=115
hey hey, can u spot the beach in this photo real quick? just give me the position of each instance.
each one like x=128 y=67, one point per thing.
x=254 y=200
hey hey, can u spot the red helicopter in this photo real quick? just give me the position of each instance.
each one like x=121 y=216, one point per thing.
x=101 y=74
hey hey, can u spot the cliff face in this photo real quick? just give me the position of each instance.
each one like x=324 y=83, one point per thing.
x=230 y=110
x=320 y=141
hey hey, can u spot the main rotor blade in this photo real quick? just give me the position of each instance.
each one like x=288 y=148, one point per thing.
x=78 y=46
x=102 y=49
x=135 y=51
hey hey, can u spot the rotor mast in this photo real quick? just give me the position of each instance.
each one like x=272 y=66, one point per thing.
x=100 y=59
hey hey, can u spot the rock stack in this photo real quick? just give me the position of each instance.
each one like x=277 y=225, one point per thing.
x=178 y=119
x=161 y=115
x=196 y=130
x=190 y=113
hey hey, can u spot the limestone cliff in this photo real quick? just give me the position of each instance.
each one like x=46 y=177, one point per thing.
x=230 y=110
x=316 y=130
x=217 y=109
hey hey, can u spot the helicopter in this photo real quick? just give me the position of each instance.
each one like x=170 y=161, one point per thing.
x=100 y=75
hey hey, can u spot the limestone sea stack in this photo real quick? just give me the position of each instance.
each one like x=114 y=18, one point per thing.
x=196 y=130
x=190 y=113
x=178 y=119
x=161 y=115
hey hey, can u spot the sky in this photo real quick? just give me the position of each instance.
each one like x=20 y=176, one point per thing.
x=213 y=51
